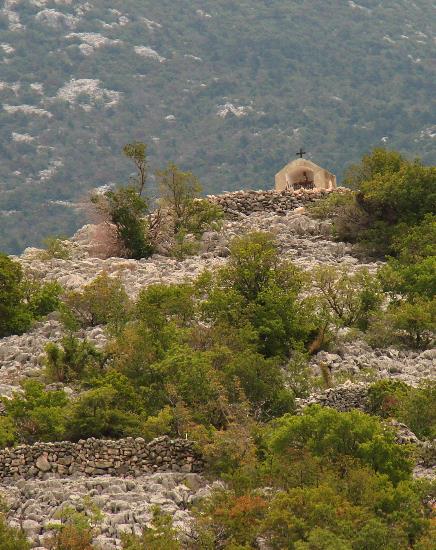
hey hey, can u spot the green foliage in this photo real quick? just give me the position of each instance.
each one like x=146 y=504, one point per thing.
x=77 y=529
x=334 y=436
x=412 y=272
x=23 y=299
x=111 y=408
x=56 y=248
x=324 y=516
x=379 y=161
x=102 y=301
x=202 y=216
x=71 y=360
x=160 y=536
x=419 y=410
x=405 y=324
x=137 y=152
x=177 y=192
x=259 y=292
x=41 y=298
x=415 y=407
x=15 y=317
x=350 y=300
x=12 y=538
x=37 y=415
x=8 y=434
x=385 y=397
x=188 y=216
x=126 y=209
x=393 y=196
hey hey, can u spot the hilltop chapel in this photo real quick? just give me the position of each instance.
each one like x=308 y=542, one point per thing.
x=304 y=174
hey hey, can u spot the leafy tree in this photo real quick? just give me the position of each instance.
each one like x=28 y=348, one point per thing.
x=256 y=290
x=379 y=161
x=334 y=436
x=111 y=408
x=349 y=299
x=177 y=191
x=41 y=298
x=418 y=411
x=187 y=216
x=393 y=195
x=137 y=152
x=385 y=397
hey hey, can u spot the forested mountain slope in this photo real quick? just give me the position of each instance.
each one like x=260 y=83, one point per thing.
x=226 y=89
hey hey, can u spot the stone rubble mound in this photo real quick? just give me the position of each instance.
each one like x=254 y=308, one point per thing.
x=21 y=357
x=126 y=504
x=358 y=359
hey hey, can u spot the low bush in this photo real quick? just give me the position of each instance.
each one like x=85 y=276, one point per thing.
x=160 y=536
x=104 y=301
x=23 y=299
x=71 y=360
x=12 y=538
x=405 y=324
x=348 y=300
x=56 y=248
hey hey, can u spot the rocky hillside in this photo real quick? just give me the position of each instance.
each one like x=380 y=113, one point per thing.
x=123 y=487
x=229 y=90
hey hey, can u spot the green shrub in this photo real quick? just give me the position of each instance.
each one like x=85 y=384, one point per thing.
x=349 y=299
x=111 y=408
x=126 y=209
x=418 y=410
x=15 y=316
x=42 y=298
x=188 y=216
x=385 y=397
x=103 y=301
x=12 y=538
x=56 y=248
x=405 y=324
x=392 y=195
x=160 y=536
x=37 y=415
x=71 y=360
x=77 y=529
x=333 y=436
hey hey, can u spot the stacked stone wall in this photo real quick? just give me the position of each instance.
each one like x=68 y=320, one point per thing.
x=91 y=457
x=247 y=202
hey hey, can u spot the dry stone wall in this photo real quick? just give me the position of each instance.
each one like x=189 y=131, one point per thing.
x=92 y=457
x=343 y=398
x=247 y=202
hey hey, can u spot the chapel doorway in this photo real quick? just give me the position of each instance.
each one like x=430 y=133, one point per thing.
x=301 y=179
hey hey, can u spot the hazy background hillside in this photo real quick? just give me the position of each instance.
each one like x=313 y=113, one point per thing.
x=227 y=89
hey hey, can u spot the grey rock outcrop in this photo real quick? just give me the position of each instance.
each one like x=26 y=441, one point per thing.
x=125 y=503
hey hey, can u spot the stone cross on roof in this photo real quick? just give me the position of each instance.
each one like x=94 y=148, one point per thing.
x=301 y=153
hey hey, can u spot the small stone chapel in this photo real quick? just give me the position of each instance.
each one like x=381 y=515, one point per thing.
x=304 y=174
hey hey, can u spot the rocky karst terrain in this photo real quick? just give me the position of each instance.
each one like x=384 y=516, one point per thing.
x=125 y=500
